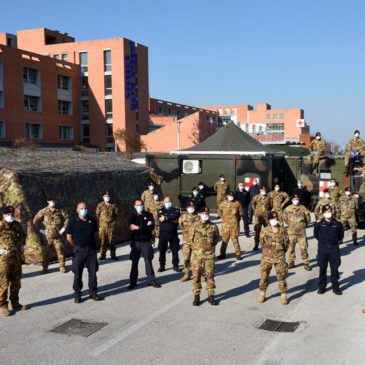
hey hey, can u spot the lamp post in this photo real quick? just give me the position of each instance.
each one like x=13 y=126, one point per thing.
x=178 y=122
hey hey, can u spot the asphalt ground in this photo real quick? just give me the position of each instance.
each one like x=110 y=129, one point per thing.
x=161 y=326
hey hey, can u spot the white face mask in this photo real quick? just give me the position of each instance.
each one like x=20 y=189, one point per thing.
x=348 y=193
x=254 y=183
x=190 y=210
x=201 y=187
x=151 y=188
x=9 y=218
x=274 y=222
x=204 y=217
x=327 y=215
x=318 y=138
x=277 y=188
x=155 y=197
x=327 y=196
x=107 y=199
x=195 y=193
x=51 y=204
x=240 y=187
x=222 y=178
x=300 y=186
x=332 y=183
x=230 y=198
x=357 y=135
x=295 y=202
x=263 y=193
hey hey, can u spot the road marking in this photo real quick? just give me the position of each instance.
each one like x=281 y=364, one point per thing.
x=143 y=322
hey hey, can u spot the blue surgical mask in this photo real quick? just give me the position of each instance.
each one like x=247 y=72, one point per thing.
x=139 y=208
x=168 y=205
x=83 y=212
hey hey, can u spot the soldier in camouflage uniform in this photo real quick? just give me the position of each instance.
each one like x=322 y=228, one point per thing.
x=318 y=148
x=221 y=187
x=278 y=200
x=147 y=196
x=274 y=241
x=204 y=236
x=185 y=221
x=261 y=206
x=326 y=200
x=107 y=213
x=297 y=217
x=231 y=212
x=334 y=191
x=355 y=146
x=154 y=207
x=55 y=222
x=12 y=239
x=348 y=207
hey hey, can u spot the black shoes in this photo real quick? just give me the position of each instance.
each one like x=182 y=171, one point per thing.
x=196 y=301
x=115 y=258
x=321 y=291
x=102 y=257
x=161 y=268
x=247 y=234
x=132 y=286
x=212 y=301
x=255 y=248
x=221 y=257
x=307 y=267
x=154 y=284
x=78 y=300
x=354 y=239
x=95 y=297
x=238 y=257
x=176 y=269
x=337 y=292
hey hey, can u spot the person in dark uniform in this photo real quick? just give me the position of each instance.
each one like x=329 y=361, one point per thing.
x=141 y=225
x=197 y=198
x=203 y=189
x=329 y=232
x=303 y=194
x=243 y=197
x=81 y=233
x=253 y=191
x=168 y=217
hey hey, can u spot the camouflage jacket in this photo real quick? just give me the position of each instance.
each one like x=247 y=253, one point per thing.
x=324 y=201
x=53 y=220
x=107 y=214
x=147 y=198
x=355 y=145
x=231 y=213
x=274 y=244
x=347 y=206
x=185 y=222
x=154 y=207
x=335 y=193
x=261 y=205
x=221 y=188
x=297 y=218
x=204 y=237
x=318 y=146
x=278 y=200
x=12 y=237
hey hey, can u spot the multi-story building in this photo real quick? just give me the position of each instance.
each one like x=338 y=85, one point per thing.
x=109 y=86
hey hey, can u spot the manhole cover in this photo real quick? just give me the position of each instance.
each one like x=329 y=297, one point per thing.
x=278 y=326
x=78 y=327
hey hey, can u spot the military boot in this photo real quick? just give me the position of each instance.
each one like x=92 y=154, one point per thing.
x=261 y=298
x=196 y=301
x=212 y=301
x=186 y=277
x=18 y=307
x=307 y=267
x=45 y=270
x=256 y=247
x=223 y=251
x=4 y=311
x=291 y=265
x=354 y=239
x=283 y=299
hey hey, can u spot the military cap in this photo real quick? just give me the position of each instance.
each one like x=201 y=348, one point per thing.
x=318 y=134
x=8 y=210
x=106 y=193
x=151 y=183
x=50 y=198
x=326 y=190
x=295 y=196
x=273 y=215
x=200 y=183
x=348 y=189
x=357 y=131
x=326 y=207
x=221 y=175
x=190 y=204
x=262 y=187
x=230 y=193
x=204 y=210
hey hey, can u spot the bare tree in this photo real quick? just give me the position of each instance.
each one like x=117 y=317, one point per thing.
x=132 y=143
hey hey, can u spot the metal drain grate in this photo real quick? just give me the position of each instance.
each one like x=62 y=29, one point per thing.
x=78 y=327
x=278 y=326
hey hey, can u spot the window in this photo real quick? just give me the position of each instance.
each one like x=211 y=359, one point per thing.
x=65 y=133
x=85 y=131
x=274 y=127
x=85 y=110
x=268 y=116
x=107 y=61
x=2 y=129
x=160 y=110
x=274 y=116
x=1 y=99
x=108 y=109
x=109 y=133
x=64 y=82
x=9 y=42
x=169 y=112
x=178 y=113
x=56 y=56
x=64 y=57
x=84 y=86
x=281 y=116
x=108 y=84
x=32 y=103
x=33 y=131
x=31 y=76
x=64 y=107
x=83 y=61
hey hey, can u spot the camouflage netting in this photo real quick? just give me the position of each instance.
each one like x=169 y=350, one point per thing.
x=27 y=178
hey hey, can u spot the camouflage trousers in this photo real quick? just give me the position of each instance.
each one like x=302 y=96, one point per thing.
x=349 y=221
x=200 y=265
x=58 y=246
x=220 y=199
x=230 y=232
x=280 y=268
x=106 y=236
x=186 y=251
x=301 y=239
x=313 y=158
x=260 y=221
x=10 y=275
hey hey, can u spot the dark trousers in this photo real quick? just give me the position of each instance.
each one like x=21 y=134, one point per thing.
x=144 y=249
x=245 y=219
x=328 y=254
x=85 y=256
x=172 y=239
x=250 y=213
